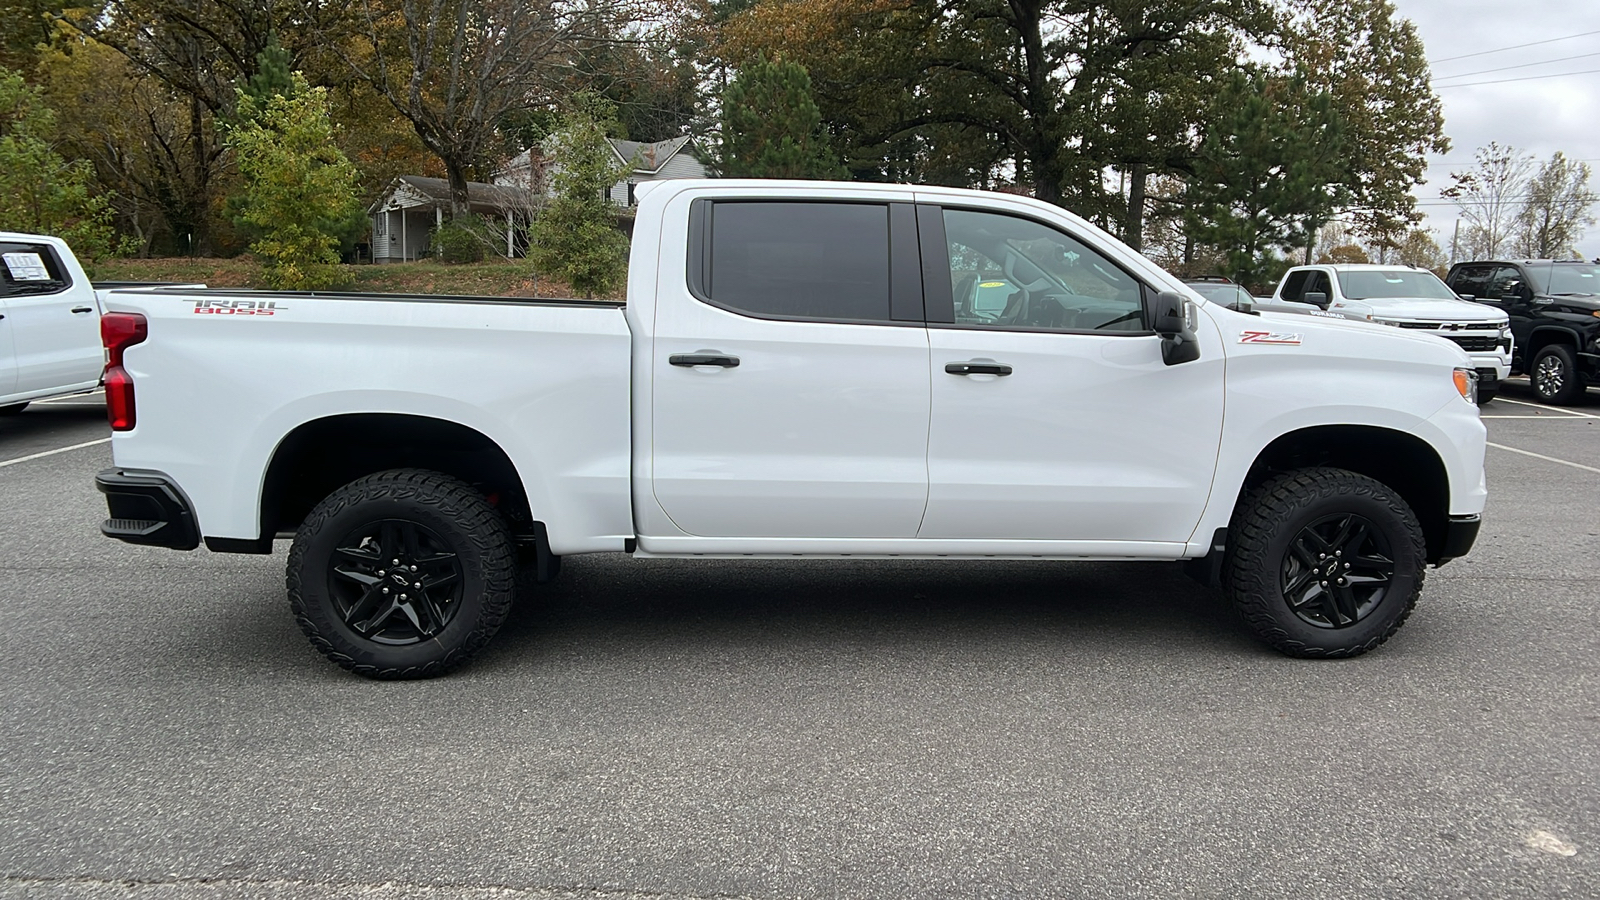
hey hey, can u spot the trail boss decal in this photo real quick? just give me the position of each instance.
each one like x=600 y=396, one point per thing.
x=1268 y=337
x=236 y=307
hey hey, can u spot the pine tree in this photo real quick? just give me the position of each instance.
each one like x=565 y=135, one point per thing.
x=299 y=188
x=574 y=236
x=771 y=127
x=1269 y=173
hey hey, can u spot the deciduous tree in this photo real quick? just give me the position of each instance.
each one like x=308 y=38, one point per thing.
x=39 y=190
x=1490 y=196
x=1556 y=208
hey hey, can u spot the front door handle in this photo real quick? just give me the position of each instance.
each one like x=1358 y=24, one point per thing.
x=977 y=367
x=704 y=358
x=83 y=309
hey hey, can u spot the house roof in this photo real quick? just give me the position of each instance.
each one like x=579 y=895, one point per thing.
x=642 y=158
x=436 y=192
x=648 y=158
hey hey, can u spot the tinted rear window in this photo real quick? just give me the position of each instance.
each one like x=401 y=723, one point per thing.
x=801 y=260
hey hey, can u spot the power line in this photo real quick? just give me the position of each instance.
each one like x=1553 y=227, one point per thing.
x=1433 y=62
x=1545 y=62
x=1440 y=87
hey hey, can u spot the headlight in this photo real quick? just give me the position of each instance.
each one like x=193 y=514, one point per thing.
x=1467 y=384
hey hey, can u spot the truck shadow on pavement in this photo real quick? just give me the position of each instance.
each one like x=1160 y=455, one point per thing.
x=725 y=605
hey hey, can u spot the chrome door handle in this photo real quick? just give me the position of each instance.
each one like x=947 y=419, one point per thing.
x=977 y=367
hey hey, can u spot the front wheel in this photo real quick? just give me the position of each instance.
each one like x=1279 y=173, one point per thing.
x=1486 y=394
x=1555 y=375
x=1324 y=562
x=402 y=574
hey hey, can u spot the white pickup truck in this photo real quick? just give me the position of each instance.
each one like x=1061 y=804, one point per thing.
x=799 y=370
x=1405 y=297
x=49 y=323
x=50 y=342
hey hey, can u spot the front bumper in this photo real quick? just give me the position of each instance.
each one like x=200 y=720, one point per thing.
x=1460 y=532
x=146 y=508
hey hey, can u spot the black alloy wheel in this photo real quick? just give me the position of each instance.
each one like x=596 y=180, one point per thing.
x=402 y=574
x=395 y=582
x=1336 y=571
x=1324 y=562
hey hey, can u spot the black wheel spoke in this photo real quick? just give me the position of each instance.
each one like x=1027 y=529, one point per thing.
x=397 y=581
x=366 y=579
x=1336 y=571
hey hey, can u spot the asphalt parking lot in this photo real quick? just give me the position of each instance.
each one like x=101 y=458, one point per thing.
x=677 y=729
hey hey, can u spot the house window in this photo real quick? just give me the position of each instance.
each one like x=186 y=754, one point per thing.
x=632 y=199
x=381 y=227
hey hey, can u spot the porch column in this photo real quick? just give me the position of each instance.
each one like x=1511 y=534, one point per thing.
x=404 y=247
x=511 y=228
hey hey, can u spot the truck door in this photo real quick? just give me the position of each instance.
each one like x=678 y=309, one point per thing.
x=55 y=326
x=1056 y=418
x=8 y=353
x=790 y=373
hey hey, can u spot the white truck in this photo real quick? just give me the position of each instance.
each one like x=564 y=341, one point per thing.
x=1404 y=297
x=50 y=342
x=799 y=370
x=49 y=323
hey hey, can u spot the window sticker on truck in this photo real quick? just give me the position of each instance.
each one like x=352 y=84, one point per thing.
x=237 y=307
x=1268 y=337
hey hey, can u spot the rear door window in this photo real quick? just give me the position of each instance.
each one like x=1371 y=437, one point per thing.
x=787 y=260
x=28 y=269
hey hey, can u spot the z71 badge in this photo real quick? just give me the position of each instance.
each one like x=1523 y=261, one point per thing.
x=1268 y=337
x=236 y=307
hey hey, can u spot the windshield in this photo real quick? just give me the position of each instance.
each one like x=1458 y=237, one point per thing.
x=1410 y=284
x=1570 y=279
x=1224 y=294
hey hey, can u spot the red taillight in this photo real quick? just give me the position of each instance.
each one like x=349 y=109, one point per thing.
x=119 y=331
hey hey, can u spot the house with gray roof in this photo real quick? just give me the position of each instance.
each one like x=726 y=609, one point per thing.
x=405 y=214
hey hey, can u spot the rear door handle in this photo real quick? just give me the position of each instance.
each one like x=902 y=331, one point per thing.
x=83 y=309
x=977 y=367
x=704 y=358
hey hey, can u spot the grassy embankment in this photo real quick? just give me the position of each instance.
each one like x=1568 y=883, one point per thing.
x=486 y=279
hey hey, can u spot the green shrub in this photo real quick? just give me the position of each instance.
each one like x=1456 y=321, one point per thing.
x=461 y=240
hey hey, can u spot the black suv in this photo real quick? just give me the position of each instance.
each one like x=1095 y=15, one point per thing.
x=1554 y=307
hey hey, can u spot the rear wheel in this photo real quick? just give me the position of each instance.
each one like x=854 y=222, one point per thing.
x=13 y=409
x=1323 y=562
x=402 y=574
x=1555 y=375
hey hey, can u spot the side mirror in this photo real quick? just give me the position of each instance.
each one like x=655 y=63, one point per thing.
x=1467 y=296
x=1316 y=298
x=1170 y=317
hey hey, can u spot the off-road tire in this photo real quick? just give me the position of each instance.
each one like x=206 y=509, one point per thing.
x=1263 y=560
x=1555 y=375
x=455 y=519
x=13 y=409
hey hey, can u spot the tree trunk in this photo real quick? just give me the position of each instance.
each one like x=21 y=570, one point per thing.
x=1133 y=226
x=460 y=204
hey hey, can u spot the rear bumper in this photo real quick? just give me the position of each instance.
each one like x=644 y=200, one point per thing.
x=146 y=508
x=1460 y=533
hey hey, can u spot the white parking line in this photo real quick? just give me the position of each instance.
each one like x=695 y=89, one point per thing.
x=1557 y=409
x=1526 y=453
x=23 y=459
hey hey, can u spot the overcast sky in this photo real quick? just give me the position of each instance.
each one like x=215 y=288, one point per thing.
x=1538 y=115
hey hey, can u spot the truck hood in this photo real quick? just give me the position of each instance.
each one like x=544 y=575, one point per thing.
x=1425 y=310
